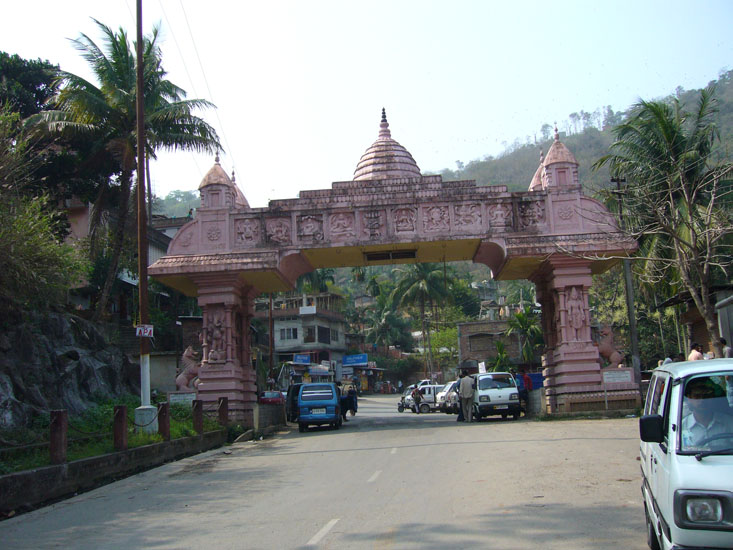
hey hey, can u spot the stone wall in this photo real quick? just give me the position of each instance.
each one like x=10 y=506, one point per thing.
x=477 y=340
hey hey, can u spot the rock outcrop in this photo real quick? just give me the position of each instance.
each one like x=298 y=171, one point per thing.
x=58 y=361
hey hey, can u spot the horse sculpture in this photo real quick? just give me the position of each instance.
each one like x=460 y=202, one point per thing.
x=188 y=379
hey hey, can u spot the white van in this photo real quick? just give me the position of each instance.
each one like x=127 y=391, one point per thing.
x=496 y=393
x=686 y=455
x=429 y=402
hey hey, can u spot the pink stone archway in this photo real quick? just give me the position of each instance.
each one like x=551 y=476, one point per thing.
x=552 y=235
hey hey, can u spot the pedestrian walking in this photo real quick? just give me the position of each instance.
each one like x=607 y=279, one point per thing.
x=727 y=350
x=465 y=393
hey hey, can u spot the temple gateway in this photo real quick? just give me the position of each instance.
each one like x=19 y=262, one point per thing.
x=389 y=213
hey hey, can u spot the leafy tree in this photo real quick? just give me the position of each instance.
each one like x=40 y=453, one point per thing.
x=107 y=113
x=38 y=268
x=421 y=285
x=677 y=201
x=316 y=281
x=501 y=361
x=25 y=85
x=526 y=326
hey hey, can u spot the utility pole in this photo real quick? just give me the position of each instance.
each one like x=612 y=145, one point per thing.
x=145 y=415
x=633 y=333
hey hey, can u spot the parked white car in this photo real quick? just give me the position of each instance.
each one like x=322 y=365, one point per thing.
x=444 y=404
x=428 y=403
x=496 y=393
x=686 y=455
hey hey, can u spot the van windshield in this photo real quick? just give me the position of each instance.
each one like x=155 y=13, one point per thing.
x=707 y=413
x=316 y=392
x=496 y=381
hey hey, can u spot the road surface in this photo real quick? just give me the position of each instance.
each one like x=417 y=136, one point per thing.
x=385 y=480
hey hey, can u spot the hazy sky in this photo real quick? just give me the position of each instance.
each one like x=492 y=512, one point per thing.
x=300 y=85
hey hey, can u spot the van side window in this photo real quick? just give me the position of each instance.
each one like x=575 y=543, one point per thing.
x=656 y=401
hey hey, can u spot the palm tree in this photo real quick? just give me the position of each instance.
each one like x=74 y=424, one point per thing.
x=527 y=328
x=107 y=114
x=677 y=198
x=501 y=361
x=421 y=285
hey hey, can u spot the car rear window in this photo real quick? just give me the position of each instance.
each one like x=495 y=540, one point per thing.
x=271 y=394
x=317 y=392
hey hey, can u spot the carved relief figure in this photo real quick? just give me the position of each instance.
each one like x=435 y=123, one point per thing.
x=278 y=230
x=342 y=225
x=531 y=213
x=188 y=378
x=404 y=219
x=248 y=231
x=215 y=336
x=576 y=313
x=467 y=214
x=565 y=212
x=373 y=224
x=607 y=349
x=436 y=218
x=310 y=228
x=500 y=215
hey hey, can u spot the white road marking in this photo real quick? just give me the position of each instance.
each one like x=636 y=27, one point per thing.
x=375 y=475
x=322 y=533
x=393 y=451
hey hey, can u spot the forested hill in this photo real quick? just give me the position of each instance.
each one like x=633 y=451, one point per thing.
x=588 y=136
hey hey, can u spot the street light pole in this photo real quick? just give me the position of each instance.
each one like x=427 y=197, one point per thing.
x=633 y=333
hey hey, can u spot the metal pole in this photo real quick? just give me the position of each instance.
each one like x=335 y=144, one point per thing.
x=633 y=333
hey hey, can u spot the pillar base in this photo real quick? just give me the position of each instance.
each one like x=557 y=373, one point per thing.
x=146 y=419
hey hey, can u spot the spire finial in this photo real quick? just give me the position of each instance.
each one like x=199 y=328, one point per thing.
x=384 y=132
x=216 y=158
x=234 y=178
x=542 y=156
x=557 y=134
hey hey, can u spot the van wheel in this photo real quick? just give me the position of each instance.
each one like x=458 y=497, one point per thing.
x=301 y=427
x=515 y=416
x=424 y=408
x=503 y=417
x=651 y=533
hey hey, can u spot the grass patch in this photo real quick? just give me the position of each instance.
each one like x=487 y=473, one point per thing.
x=90 y=434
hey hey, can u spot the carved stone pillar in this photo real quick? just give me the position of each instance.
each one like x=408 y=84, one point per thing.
x=573 y=376
x=225 y=372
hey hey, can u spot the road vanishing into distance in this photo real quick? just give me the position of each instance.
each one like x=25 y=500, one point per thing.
x=385 y=480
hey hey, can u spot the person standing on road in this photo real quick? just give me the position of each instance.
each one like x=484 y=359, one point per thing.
x=465 y=393
x=417 y=398
x=695 y=353
x=727 y=350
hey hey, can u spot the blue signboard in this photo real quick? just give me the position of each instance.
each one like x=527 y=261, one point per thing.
x=359 y=359
x=302 y=359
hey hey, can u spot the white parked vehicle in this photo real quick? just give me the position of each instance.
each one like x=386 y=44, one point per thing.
x=444 y=403
x=496 y=393
x=686 y=455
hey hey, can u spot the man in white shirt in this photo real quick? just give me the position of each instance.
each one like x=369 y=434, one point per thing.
x=704 y=423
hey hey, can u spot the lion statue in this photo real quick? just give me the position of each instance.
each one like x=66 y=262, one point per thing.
x=607 y=349
x=188 y=379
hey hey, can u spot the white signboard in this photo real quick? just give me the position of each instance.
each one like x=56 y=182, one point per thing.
x=482 y=367
x=146 y=331
x=615 y=376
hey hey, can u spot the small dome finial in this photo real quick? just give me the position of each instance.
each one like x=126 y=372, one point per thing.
x=216 y=158
x=384 y=132
x=542 y=156
x=557 y=134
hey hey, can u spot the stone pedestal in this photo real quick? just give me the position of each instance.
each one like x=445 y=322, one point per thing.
x=146 y=419
x=232 y=382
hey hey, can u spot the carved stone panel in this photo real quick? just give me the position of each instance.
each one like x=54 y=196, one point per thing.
x=467 y=217
x=247 y=231
x=531 y=213
x=310 y=228
x=342 y=225
x=278 y=230
x=373 y=224
x=213 y=236
x=404 y=219
x=501 y=215
x=436 y=218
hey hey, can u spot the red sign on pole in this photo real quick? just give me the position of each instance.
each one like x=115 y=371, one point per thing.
x=144 y=331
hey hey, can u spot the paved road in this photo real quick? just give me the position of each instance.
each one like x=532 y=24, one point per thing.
x=385 y=480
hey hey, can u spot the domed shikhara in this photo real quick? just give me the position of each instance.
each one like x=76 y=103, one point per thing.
x=386 y=159
x=217 y=176
x=558 y=169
